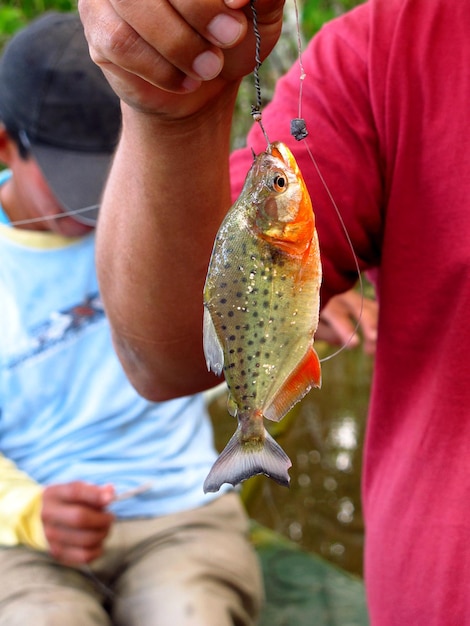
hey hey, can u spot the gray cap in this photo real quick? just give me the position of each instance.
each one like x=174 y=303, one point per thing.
x=62 y=108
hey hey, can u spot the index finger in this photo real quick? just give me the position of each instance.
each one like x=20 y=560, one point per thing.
x=163 y=42
x=80 y=492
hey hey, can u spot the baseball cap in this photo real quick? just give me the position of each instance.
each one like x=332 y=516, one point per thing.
x=62 y=108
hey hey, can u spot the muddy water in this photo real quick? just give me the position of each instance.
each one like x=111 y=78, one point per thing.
x=323 y=436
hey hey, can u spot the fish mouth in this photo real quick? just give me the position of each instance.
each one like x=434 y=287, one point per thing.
x=280 y=151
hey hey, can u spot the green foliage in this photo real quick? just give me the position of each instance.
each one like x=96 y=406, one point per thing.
x=11 y=19
x=28 y=9
x=316 y=12
x=14 y=14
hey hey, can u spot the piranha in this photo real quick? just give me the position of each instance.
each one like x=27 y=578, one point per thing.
x=261 y=307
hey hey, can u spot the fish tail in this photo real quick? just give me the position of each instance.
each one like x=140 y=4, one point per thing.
x=240 y=460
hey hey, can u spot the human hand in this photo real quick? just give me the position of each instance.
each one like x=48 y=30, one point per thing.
x=339 y=318
x=154 y=52
x=76 y=521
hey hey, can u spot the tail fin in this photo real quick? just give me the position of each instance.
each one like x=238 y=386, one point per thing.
x=239 y=461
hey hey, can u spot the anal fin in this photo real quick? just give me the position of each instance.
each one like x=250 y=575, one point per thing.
x=305 y=376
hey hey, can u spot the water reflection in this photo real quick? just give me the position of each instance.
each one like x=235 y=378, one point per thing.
x=323 y=436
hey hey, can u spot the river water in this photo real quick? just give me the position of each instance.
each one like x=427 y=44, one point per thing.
x=323 y=435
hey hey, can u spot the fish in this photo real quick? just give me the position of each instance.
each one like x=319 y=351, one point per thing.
x=261 y=307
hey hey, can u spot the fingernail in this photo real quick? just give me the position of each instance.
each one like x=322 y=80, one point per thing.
x=225 y=29
x=207 y=65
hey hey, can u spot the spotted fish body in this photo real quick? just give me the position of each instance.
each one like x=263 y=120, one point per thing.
x=261 y=304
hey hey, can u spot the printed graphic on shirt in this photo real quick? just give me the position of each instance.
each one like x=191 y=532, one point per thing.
x=60 y=326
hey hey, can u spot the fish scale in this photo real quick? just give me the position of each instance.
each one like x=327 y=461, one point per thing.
x=261 y=302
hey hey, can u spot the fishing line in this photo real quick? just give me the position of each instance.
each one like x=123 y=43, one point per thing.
x=256 y=109
x=356 y=262
x=298 y=129
x=43 y=218
x=299 y=57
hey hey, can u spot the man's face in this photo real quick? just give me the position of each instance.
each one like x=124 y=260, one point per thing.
x=34 y=199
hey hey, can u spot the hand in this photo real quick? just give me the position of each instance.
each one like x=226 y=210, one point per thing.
x=75 y=520
x=339 y=318
x=151 y=51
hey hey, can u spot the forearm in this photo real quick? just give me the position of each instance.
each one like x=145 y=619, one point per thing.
x=167 y=194
x=169 y=190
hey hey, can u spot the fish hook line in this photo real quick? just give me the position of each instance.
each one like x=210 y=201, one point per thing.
x=43 y=218
x=356 y=262
x=256 y=109
x=298 y=129
x=299 y=58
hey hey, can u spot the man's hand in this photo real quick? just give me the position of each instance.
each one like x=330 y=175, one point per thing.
x=75 y=520
x=151 y=51
x=339 y=318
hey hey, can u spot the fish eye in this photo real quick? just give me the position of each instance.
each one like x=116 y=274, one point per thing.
x=279 y=182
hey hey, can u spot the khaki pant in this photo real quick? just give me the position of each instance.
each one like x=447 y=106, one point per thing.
x=195 y=568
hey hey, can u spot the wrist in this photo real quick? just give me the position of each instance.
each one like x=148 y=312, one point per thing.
x=194 y=114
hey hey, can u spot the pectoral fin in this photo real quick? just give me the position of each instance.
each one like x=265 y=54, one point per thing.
x=306 y=375
x=212 y=348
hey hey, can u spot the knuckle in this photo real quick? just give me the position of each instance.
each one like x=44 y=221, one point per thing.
x=122 y=40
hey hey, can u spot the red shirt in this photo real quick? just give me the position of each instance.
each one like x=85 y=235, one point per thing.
x=386 y=100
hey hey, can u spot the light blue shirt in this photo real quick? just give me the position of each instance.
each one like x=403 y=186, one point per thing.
x=67 y=411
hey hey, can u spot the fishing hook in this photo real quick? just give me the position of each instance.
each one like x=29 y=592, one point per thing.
x=256 y=109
